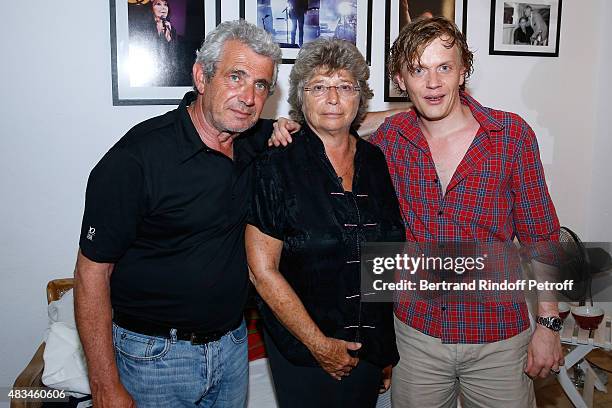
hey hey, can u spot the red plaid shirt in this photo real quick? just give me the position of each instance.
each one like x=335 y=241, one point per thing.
x=497 y=193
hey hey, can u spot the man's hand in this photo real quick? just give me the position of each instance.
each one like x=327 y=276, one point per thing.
x=112 y=396
x=544 y=354
x=386 y=379
x=283 y=128
x=333 y=356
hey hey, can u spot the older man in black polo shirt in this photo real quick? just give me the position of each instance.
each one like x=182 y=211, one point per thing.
x=162 y=241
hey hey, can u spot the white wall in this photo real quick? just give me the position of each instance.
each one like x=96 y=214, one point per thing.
x=600 y=199
x=57 y=119
x=557 y=96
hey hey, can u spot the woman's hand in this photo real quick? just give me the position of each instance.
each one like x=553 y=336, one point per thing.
x=386 y=379
x=168 y=32
x=161 y=24
x=332 y=355
x=281 y=135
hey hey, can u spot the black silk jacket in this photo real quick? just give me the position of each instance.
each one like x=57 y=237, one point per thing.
x=299 y=200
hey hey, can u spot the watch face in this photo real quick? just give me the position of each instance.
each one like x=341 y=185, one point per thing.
x=553 y=323
x=556 y=323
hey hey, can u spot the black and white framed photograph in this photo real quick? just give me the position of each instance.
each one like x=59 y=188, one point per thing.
x=398 y=13
x=293 y=23
x=153 y=44
x=525 y=28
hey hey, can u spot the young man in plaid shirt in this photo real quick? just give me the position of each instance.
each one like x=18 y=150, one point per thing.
x=464 y=172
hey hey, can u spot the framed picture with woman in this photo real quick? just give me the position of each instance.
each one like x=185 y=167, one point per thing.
x=153 y=44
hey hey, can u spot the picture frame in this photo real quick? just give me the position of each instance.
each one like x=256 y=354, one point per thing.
x=347 y=19
x=398 y=12
x=525 y=28
x=150 y=66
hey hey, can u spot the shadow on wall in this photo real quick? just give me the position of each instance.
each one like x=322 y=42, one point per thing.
x=271 y=108
x=564 y=130
x=539 y=95
x=542 y=94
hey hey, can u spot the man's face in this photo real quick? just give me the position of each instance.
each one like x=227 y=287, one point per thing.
x=433 y=87
x=523 y=23
x=234 y=98
x=528 y=12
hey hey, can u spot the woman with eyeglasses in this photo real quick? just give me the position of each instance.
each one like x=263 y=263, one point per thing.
x=316 y=202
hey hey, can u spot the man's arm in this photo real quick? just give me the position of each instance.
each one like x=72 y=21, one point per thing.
x=93 y=314
x=544 y=352
x=404 y=13
x=536 y=224
x=373 y=120
x=263 y=253
x=283 y=127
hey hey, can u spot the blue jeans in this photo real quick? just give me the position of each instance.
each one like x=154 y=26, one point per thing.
x=166 y=372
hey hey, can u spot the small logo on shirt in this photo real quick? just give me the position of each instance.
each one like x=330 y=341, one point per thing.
x=91 y=233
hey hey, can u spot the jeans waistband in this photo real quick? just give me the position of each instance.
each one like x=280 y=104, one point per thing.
x=148 y=328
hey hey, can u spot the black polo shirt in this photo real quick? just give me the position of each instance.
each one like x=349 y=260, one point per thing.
x=170 y=213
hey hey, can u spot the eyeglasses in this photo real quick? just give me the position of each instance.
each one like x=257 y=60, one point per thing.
x=342 y=89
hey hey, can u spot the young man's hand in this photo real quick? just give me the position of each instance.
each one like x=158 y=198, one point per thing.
x=283 y=128
x=544 y=354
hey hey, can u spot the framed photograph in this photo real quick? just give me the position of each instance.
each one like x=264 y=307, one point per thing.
x=525 y=28
x=153 y=45
x=400 y=12
x=295 y=22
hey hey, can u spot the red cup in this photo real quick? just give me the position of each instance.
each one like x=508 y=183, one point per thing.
x=564 y=310
x=588 y=317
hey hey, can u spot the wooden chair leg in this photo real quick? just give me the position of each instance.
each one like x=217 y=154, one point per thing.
x=30 y=377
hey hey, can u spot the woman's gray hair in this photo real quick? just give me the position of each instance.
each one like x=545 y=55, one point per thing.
x=250 y=35
x=331 y=55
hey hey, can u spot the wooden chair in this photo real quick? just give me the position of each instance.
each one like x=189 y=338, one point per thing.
x=32 y=374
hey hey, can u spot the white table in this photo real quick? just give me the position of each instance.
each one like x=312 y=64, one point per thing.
x=584 y=341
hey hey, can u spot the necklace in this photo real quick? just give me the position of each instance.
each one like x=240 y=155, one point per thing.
x=347 y=169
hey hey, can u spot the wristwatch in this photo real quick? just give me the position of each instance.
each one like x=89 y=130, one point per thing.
x=554 y=323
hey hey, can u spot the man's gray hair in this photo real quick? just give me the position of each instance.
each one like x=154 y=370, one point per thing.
x=255 y=38
x=331 y=55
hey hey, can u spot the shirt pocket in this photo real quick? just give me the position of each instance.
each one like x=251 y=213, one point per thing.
x=485 y=198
